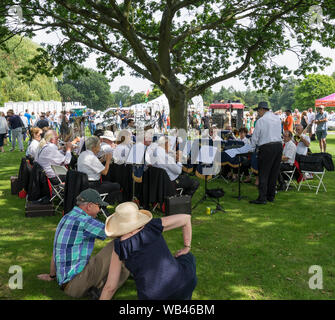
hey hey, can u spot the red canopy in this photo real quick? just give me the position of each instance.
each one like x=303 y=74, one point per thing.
x=328 y=101
x=227 y=106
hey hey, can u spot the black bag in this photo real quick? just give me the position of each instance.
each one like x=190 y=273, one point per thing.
x=215 y=193
x=178 y=204
x=39 y=209
x=327 y=160
x=311 y=163
x=15 y=185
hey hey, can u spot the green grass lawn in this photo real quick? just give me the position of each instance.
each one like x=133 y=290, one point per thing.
x=248 y=252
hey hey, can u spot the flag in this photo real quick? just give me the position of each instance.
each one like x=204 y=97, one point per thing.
x=120 y=104
x=147 y=95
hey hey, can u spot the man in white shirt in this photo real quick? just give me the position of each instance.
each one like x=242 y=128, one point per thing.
x=107 y=144
x=89 y=163
x=304 y=140
x=267 y=136
x=173 y=167
x=50 y=155
x=310 y=118
x=288 y=157
x=120 y=154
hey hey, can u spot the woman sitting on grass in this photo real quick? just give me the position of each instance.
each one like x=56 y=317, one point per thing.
x=140 y=244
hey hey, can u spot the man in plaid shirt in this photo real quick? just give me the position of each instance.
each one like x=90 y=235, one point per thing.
x=76 y=271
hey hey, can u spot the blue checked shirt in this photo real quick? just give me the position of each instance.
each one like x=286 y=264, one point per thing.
x=74 y=242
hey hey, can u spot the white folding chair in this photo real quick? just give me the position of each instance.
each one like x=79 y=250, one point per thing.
x=290 y=175
x=58 y=189
x=318 y=175
x=103 y=196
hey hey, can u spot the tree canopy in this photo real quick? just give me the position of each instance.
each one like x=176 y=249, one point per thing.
x=16 y=56
x=314 y=86
x=185 y=46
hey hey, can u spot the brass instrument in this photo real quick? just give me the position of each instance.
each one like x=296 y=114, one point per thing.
x=297 y=137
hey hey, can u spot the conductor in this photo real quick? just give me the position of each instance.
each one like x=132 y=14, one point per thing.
x=267 y=136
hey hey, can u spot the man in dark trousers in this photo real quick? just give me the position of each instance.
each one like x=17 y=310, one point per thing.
x=267 y=136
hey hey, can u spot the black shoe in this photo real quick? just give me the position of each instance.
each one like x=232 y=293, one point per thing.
x=257 y=201
x=94 y=293
x=270 y=199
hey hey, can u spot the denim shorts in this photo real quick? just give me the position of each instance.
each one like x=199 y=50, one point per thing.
x=321 y=134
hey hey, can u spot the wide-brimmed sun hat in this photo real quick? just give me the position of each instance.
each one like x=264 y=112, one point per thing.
x=126 y=218
x=109 y=135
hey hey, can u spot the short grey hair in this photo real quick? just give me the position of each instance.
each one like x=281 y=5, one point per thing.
x=92 y=142
x=80 y=201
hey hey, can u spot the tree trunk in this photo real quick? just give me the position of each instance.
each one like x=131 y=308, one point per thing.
x=178 y=111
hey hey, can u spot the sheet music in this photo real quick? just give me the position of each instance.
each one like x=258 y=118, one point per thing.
x=207 y=154
x=234 y=152
x=136 y=154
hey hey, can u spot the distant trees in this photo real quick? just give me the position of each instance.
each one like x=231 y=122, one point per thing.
x=13 y=87
x=87 y=86
x=314 y=86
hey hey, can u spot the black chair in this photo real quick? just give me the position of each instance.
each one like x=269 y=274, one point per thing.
x=75 y=182
x=123 y=175
x=38 y=184
x=156 y=186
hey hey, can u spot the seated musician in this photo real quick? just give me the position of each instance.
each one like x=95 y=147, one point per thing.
x=89 y=163
x=34 y=145
x=173 y=167
x=245 y=165
x=124 y=143
x=213 y=133
x=288 y=157
x=50 y=155
x=303 y=141
x=107 y=144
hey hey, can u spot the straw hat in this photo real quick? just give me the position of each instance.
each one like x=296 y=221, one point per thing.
x=126 y=218
x=109 y=135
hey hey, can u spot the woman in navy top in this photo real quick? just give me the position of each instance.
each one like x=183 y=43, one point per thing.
x=158 y=274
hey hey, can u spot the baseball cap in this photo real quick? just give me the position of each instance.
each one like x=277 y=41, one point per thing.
x=91 y=195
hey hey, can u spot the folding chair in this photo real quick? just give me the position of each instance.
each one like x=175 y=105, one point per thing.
x=290 y=175
x=318 y=174
x=58 y=190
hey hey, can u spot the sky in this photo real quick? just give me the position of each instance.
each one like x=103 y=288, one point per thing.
x=142 y=85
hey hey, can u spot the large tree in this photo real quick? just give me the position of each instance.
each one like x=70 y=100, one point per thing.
x=185 y=46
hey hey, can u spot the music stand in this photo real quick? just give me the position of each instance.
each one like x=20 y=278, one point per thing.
x=136 y=157
x=206 y=156
x=239 y=152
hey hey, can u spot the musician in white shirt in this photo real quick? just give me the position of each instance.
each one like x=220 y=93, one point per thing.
x=288 y=157
x=173 y=167
x=107 y=144
x=50 y=155
x=304 y=142
x=89 y=163
x=34 y=146
x=124 y=144
x=267 y=136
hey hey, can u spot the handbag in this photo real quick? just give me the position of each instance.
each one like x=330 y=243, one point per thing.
x=178 y=204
